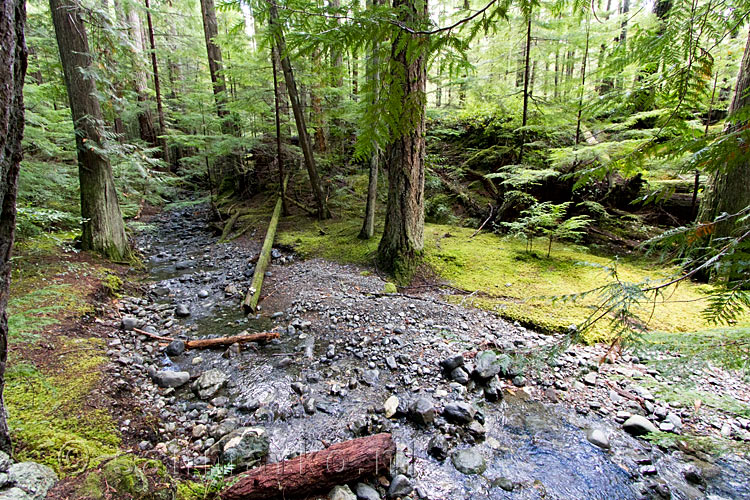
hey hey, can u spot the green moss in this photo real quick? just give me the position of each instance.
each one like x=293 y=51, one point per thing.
x=30 y=312
x=112 y=283
x=130 y=477
x=49 y=415
x=390 y=288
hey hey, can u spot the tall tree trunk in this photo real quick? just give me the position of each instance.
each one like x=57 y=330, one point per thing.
x=279 y=151
x=373 y=78
x=525 y=89
x=103 y=229
x=145 y=119
x=556 y=93
x=728 y=189
x=299 y=115
x=402 y=243
x=583 y=83
x=157 y=84
x=215 y=64
x=355 y=74
x=281 y=85
x=13 y=58
x=316 y=104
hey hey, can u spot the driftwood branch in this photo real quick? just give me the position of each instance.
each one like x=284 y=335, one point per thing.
x=214 y=342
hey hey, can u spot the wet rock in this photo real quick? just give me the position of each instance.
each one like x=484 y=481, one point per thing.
x=209 y=383
x=423 y=411
x=493 y=391
x=503 y=483
x=231 y=290
x=341 y=493
x=391 y=406
x=168 y=378
x=275 y=253
x=451 y=363
x=638 y=425
x=598 y=438
x=175 y=348
x=459 y=413
x=160 y=291
x=477 y=430
x=366 y=492
x=129 y=323
x=400 y=486
x=33 y=478
x=243 y=447
x=182 y=311
x=487 y=365
x=438 y=447
x=468 y=461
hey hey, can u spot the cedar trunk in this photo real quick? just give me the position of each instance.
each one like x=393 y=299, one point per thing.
x=13 y=56
x=728 y=190
x=103 y=229
x=145 y=118
x=401 y=246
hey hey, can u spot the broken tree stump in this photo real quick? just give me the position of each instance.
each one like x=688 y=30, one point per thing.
x=250 y=304
x=315 y=472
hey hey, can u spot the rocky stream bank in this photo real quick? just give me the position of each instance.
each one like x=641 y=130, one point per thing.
x=474 y=412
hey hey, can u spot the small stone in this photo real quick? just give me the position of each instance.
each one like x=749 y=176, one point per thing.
x=400 y=486
x=391 y=406
x=487 y=365
x=666 y=427
x=167 y=378
x=129 y=323
x=469 y=461
x=341 y=493
x=423 y=411
x=438 y=447
x=390 y=362
x=638 y=425
x=182 y=311
x=459 y=412
x=199 y=431
x=209 y=383
x=598 y=438
x=453 y=362
x=33 y=478
x=175 y=348
x=203 y=294
x=366 y=492
x=460 y=375
x=590 y=378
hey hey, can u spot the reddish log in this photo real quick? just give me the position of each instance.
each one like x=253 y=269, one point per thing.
x=315 y=472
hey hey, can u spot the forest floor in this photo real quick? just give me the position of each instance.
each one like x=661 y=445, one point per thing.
x=83 y=385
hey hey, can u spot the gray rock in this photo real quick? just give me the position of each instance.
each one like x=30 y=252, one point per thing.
x=675 y=420
x=400 y=486
x=175 y=348
x=468 y=461
x=460 y=375
x=203 y=294
x=243 y=447
x=438 y=447
x=3 y=479
x=209 y=383
x=5 y=461
x=598 y=438
x=459 y=412
x=14 y=494
x=167 y=378
x=493 y=391
x=33 y=478
x=341 y=493
x=453 y=362
x=590 y=378
x=391 y=406
x=182 y=311
x=487 y=365
x=129 y=322
x=423 y=411
x=638 y=425
x=366 y=492
x=390 y=362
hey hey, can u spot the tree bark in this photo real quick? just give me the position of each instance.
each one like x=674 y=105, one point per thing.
x=373 y=78
x=728 y=189
x=145 y=119
x=525 y=89
x=315 y=472
x=13 y=59
x=299 y=116
x=157 y=85
x=215 y=63
x=103 y=229
x=277 y=111
x=402 y=243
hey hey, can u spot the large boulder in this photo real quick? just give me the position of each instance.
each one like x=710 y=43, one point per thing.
x=33 y=478
x=209 y=383
x=244 y=447
x=459 y=412
x=487 y=365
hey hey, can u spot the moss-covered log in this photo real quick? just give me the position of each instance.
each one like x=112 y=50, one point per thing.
x=250 y=304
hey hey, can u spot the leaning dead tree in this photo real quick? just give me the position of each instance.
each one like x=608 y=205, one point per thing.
x=315 y=472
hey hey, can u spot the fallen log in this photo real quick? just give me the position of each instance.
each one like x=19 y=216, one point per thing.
x=228 y=226
x=214 y=342
x=250 y=304
x=315 y=472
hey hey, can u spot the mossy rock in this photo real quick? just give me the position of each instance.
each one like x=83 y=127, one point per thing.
x=129 y=477
x=390 y=288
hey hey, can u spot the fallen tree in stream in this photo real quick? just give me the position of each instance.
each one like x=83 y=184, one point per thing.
x=315 y=472
x=250 y=304
x=215 y=342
